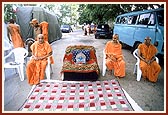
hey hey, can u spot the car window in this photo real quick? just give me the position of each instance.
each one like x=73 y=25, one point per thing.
x=64 y=26
x=124 y=20
x=102 y=26
x=118 y=20
x=143 y=19
x=106 y=26
x=160 y=16
x=132 y=19
x=99 y=26
x=151 y=19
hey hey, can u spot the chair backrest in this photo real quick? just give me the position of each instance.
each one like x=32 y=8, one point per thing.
x=20 y=54
x=135 y=53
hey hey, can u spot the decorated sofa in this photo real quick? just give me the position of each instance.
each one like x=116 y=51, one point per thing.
x=80 y=64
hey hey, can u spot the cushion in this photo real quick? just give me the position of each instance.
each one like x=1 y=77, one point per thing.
x=84 y=51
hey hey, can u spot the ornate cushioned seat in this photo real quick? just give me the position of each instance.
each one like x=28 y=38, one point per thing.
x=80 y=63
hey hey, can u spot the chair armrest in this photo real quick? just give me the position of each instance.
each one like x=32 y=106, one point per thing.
x=26 y=53
x=157 y=59
x=48 y=58
x=135 y=53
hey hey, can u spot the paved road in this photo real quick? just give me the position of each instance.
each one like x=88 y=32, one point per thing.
x=149 y=96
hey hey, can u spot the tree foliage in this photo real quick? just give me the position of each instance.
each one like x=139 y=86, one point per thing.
x=8 y=12
x=83 y=13
x=69 y=14
x=101 y=13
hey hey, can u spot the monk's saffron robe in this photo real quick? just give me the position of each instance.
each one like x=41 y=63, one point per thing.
x=15 y=36
x=149 y=71
x=114 y=58
x=36 y=68
x=44 y=28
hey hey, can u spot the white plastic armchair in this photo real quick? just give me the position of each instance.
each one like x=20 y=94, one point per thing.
x=137 y=69
x=48 y=69
x=104 y=64
x=19 y=61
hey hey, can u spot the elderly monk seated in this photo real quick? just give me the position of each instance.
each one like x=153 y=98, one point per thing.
x=149 y=67
x=114 y=57
x=36 y=66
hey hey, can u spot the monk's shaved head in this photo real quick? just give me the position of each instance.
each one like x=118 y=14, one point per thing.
x=40 y=38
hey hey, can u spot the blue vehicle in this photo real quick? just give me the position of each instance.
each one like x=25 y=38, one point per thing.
x=133 y=27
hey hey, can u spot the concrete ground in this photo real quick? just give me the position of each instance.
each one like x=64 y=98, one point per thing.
x=149 y=96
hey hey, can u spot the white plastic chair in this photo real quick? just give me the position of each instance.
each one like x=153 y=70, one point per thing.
x=19 y=60
x=104 y=64
x=137 y=69
x=48 y=69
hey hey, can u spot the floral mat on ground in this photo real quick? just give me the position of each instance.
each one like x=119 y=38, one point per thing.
x=77 y=96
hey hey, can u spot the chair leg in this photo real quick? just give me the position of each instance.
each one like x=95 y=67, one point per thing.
x=135 y=68
x=104 y=70
x=139 y=73
x=104 y=66
x=47 y=71
x=62 y=76
x=51 y=69
x=21 y=72
x=16 y=70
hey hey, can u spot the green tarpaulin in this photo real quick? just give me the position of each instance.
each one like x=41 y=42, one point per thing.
x=26 y=14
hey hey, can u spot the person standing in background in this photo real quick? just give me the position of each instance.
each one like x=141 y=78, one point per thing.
x=41 y=28
x=36 y=27
x=14 y=34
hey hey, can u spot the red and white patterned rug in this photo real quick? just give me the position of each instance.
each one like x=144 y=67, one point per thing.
x=77 y=96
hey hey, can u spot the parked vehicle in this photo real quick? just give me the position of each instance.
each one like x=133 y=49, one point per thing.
x=92 y=28
x=66 y=28
x=133 y=27
x=103 y=31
